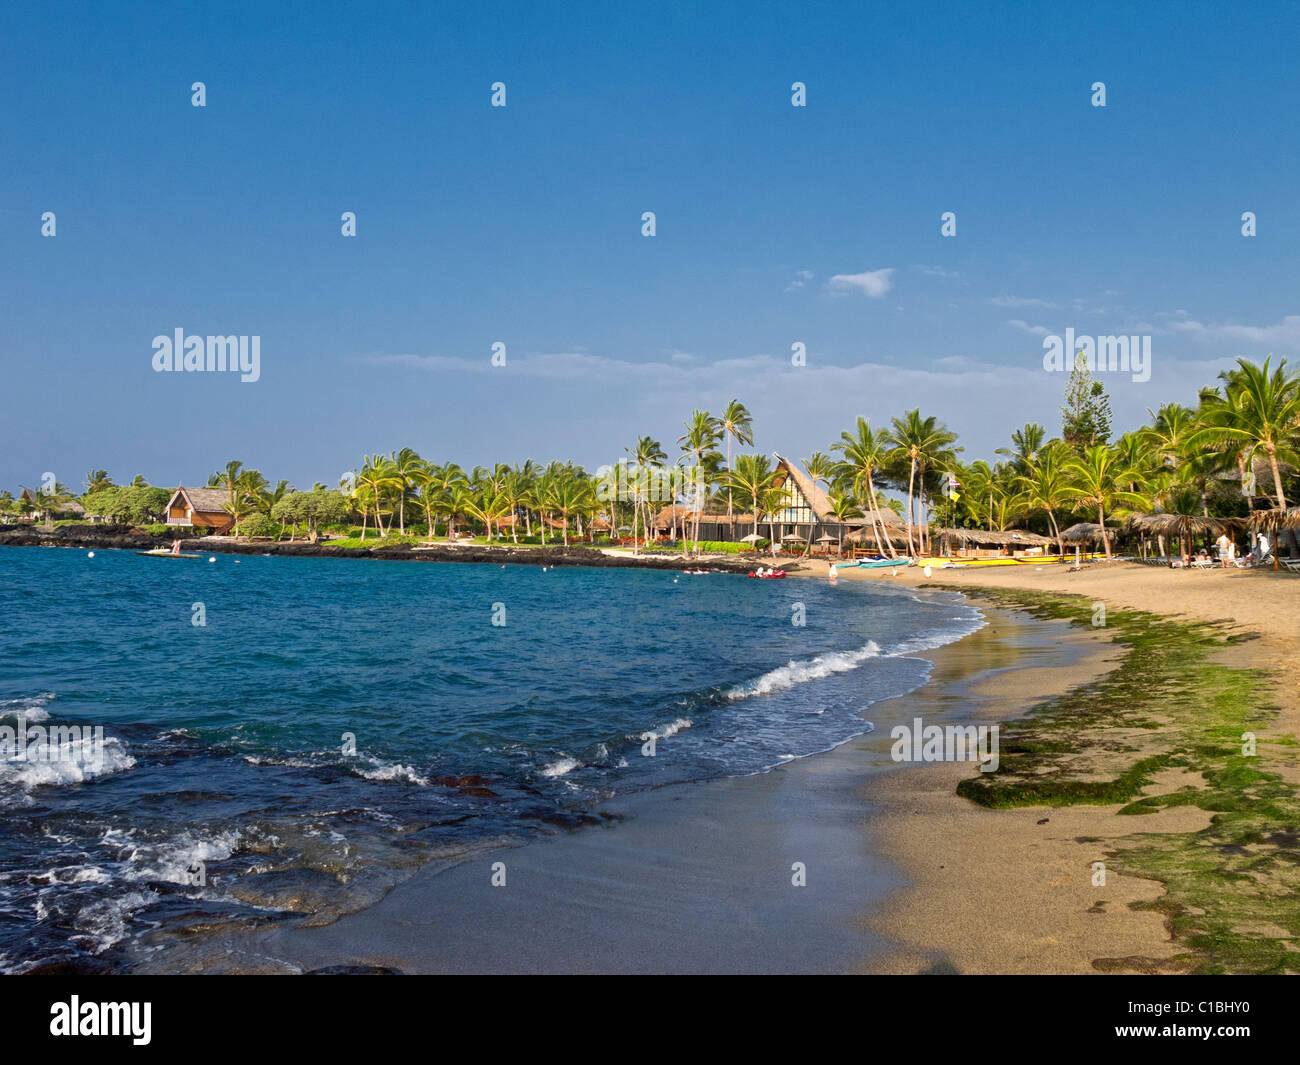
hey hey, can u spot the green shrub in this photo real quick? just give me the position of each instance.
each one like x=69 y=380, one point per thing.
x=726 y=547
x=259 y=525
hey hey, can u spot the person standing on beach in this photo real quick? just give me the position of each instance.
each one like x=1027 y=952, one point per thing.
x=834 y=574
x=1222 y=544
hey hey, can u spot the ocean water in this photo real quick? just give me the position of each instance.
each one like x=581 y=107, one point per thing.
x=335 y=723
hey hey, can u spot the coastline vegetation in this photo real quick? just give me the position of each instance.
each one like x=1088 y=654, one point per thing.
x=1237 y=451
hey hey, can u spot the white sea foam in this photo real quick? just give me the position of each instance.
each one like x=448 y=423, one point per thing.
x=105 y=922
x=560 y=767
x=72 y=762
x=392 y=771
x=32 y=708
x=793 y=672
x=172 y=860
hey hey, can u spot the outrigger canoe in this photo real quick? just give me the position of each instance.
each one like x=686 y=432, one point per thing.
x=1028 y=560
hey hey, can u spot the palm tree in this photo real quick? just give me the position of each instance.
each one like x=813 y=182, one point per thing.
x=988 y=496
x=864 y=455
x=97 y=480
x=647 y=457
x=736 y=423
x=1047 y=486
x=568 y=494
x=1099 y=478
x=771 y=500
x=403 y=466
x=377 y=480
x=820 y=469
x=486 y=501
x=701 y=436
x=843 y=508
x=1259 y=411
x=924 y=444
x=517 y=490
x=1026 y=443
x=752 y=476
x=47 y=502
x=229 y=480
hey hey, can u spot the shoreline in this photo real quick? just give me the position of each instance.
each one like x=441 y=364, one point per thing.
x=690 y=877
x=115 y=538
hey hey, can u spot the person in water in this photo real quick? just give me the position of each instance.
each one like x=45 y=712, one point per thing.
x=176 y=547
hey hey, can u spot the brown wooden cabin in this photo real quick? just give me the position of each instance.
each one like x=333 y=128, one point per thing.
x=200 y=508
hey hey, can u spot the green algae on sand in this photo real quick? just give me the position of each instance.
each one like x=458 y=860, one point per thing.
x=1171 y=725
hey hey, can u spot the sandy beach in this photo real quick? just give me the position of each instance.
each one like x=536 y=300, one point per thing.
x=976 y=866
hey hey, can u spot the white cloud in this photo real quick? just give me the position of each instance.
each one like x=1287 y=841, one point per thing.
x=873 y=283
x=801 y=278
x=1287 y=331
x=800 y=409
x=1021 y=301
x=1025 y=327
x=940 y=272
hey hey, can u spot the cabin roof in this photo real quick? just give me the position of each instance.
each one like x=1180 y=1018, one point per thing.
x=203 y=500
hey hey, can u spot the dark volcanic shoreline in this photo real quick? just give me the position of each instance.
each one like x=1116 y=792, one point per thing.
x=119 y=537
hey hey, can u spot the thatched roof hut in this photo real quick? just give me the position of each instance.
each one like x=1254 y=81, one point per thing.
x=817 y=500
x=896 y=534
x=991 y=537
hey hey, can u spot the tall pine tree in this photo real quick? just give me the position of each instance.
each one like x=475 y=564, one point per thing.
x=1085 y=418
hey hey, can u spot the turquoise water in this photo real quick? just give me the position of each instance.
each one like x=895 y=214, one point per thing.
x=336 y=722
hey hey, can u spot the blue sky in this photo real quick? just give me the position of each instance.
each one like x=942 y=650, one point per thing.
x=522 y=225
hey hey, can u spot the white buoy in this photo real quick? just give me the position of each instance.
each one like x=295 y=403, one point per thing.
x=90 y=554
x=212 y=558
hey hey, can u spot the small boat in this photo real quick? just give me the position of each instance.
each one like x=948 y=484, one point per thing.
x=163 y=553
x=881 y=563
x=775 y=576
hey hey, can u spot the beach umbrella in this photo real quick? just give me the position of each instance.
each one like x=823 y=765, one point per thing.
x=826 y=539
x=1181 y=526
x=752 y=538
x=795 y=538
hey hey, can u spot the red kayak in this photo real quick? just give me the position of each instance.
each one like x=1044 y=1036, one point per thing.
x=778 y=575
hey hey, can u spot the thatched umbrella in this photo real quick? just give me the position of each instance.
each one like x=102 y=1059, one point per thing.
x=986 y=538
x=1085 y=532
x=1274 y=521
x=1182 y=526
